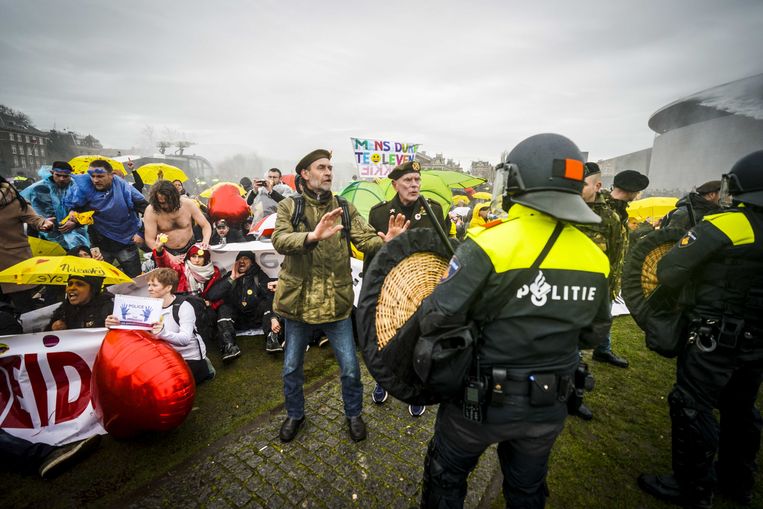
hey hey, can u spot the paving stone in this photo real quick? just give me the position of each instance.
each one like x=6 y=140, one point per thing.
x=322 y=468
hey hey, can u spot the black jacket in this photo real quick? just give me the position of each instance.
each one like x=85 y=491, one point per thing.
x=89 y=316
x=248 y=294
x=689 y=211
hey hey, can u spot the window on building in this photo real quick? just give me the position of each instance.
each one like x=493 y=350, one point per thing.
x=23 y=162
x=15 y=161
x=42 y=152
x=27 y=138
x=37 y=151
x=31 y=161
x=13 y=148
x=42 y=141
x=10 y=136
x=29 y=151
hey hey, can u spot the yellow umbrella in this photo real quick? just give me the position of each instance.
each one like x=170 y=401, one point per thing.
x=55 y=270
x=655 y=207
x=482 y=195
x=42 y=247
x=208 y=192
x=80 y=164
x=152 y=172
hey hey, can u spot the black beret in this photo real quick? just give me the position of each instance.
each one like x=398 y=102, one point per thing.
x=631 y=181
x=591 y=169
x=709 y=187
x=62 y=166
x=409 y=167
x=310 y=158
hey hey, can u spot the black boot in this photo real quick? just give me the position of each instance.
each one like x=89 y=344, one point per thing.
x=227 y=334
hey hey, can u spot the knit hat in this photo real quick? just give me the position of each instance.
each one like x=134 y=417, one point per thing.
x=247 y=254
x=95 y=282
x=197 y=249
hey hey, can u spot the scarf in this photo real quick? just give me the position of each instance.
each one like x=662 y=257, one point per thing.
x=197 y=276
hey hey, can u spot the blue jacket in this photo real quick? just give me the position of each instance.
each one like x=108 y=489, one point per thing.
x=115 y=209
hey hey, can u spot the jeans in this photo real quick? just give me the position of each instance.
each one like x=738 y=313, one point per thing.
x=21 y=455
x=340 y=336
x=128 y=257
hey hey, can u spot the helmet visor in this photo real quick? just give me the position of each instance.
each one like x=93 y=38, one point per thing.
x=729 y=182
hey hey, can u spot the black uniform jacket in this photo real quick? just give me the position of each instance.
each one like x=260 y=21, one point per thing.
x=532 y=321
x=248 y=294
x=722 y=259
x=88 y=316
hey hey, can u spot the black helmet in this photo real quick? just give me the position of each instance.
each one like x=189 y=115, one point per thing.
x=745 y=180
x=545 y=172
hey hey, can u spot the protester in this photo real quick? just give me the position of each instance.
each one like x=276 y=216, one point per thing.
x=176 y=328
x=224 y=234
x=180 y=188
x=47 y=196
x=479 y=215
x=47 y=460
x=247 y=295
x=81 y=251
x=173 y=215
x=85 y=306
x=528 y=345
x=694 y=206
x=315 y=285
x=114 y=232
x=15 y=212
x=266 y=194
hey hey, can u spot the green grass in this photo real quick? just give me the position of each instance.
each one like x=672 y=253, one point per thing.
x=248 y=387
x=595 y=464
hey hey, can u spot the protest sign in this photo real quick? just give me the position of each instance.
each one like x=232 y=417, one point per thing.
x=136 y=312
x=376 y=158
x=45 y=385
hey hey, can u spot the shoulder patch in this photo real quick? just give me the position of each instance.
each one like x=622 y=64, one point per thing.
x=688 y=239
x=735 y=225
x=453 y=267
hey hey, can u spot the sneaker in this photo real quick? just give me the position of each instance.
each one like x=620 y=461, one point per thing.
x=272 y=344
x=230 y=351
x=65 y=456
x=416 y=410
x=379 y=395
x=323 y=341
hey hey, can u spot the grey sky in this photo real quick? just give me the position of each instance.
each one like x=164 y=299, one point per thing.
x=468 y=79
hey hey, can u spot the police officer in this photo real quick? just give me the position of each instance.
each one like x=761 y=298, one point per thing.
x=406 y=180
x=534 y=285
x=721 y=364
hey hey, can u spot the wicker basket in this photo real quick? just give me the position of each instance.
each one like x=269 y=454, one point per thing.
x=404 y=287
x=649 y=268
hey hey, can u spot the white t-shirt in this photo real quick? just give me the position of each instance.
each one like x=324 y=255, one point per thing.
x=182 y=336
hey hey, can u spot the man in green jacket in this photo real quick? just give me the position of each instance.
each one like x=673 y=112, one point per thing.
x=315 y=284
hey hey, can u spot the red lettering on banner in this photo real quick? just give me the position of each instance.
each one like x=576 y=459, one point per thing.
x=10 y=394
x=65 y=410
x=39 y=387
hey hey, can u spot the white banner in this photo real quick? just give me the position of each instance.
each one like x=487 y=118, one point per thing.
x=376 y=158
x=45 y=385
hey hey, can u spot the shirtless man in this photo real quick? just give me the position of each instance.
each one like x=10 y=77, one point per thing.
x=173 y=215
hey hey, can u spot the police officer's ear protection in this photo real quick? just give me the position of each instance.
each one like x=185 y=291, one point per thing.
x=512 y=185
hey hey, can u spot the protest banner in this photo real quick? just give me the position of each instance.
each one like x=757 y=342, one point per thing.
x=376 y=158
x=45 y=385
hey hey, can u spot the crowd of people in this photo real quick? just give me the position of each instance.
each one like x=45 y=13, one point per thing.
x=552 y=233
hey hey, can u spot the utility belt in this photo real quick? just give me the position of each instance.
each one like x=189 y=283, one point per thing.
x=725 y=332
x=496 y=388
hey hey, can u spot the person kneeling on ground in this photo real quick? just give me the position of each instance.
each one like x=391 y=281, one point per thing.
x=23 y=456
x=180 y=333
x=247 y=293
x=85 y=305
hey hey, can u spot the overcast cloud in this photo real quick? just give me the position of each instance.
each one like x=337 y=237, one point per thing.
x=468 y=79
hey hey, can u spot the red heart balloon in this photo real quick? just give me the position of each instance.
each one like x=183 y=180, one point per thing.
x=140 y=384
x=226 y=203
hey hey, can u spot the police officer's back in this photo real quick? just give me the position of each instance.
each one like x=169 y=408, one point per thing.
x=718 y=265
x=534 y=285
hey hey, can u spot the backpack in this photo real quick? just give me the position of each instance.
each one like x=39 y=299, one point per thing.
x=299 y=216
x=203 y=326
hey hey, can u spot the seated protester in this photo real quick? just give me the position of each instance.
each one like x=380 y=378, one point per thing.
x=22 y=456
x=181 y=333
x=81 y=251
x=247 y=293
x=85 y=305
x=224 y=234
x=196 y=275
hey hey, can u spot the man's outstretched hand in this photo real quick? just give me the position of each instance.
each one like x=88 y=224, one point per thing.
x=397 y=225
x=326 y=227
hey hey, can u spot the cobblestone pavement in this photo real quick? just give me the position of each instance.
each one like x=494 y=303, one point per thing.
x=322 y=467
